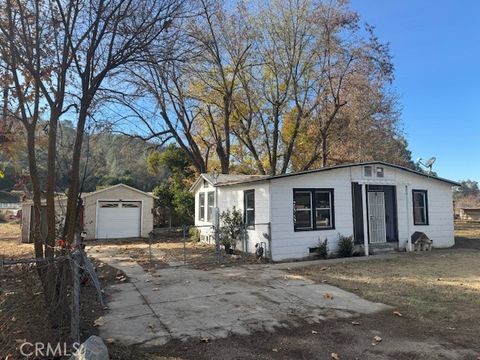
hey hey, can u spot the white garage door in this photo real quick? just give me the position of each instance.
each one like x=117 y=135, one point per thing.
x=118 y=219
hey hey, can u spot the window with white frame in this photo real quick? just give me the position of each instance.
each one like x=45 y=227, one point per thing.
x=210 y=205
x=420 y=207
x=313 y=209
x=201 y=206
x=367 y=171
x=379 y=171
x=249 y=208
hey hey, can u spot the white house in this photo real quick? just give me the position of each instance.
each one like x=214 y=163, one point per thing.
x=380 y=204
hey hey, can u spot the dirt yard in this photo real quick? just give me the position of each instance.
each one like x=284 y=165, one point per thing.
x=435 y=299
x=169 y=249
x=10 y=245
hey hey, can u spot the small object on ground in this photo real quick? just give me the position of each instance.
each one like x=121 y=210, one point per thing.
x=355 y=323
x=156 y=289
x=110 y=340
x=335 y=356
x=13 y=319
x=275 y=350
x=10 y=357
x=324 y=281
x=398 y=313
x=314 y=332
x=377 y=339
x=151 y=326
x=328 y=296
x=99 y=322
x=439 y=279
x=204 y=339
x=450 y=328
x=323 y=268
x=92 y=349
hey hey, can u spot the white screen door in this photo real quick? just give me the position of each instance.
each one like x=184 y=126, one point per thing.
x=376 y=220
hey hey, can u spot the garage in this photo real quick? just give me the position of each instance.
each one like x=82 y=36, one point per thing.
x=117 y=212
x=119 y=219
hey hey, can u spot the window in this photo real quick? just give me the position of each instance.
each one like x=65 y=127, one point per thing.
x=131 y=205
x=379 y=171
x=420 y=207
x=210 y=205
x=313 y=209
x=201 y=207
x=367 y=171
x=249 y=208
x=109 y=205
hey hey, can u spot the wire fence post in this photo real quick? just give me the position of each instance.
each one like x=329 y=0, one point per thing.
x=75 y=320
x=184 y=244
x=244 y=243
x=150 y=238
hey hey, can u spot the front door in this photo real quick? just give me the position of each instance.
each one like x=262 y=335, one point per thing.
x=376 y=217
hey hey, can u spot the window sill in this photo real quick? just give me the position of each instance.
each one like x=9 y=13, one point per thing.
x=322 y=229
x=427 y=224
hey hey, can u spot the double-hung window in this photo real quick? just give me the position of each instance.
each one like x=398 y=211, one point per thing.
x=210 y=205
x=249 y=208
x=313 y=209
x=420 y=207
x=201 y=206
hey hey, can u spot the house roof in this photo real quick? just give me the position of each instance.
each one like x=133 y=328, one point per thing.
x=116 y=186
x=226 y=180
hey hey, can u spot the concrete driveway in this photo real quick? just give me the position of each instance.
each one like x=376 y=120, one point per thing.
x=182 y=303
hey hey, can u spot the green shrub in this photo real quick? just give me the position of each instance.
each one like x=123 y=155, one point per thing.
x=345 y=246
x=322 y=249
x=231 y=227
x=194 y=234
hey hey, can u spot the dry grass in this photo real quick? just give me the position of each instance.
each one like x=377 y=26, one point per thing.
x=10 y=245
x=467 y=230
x=441 y=288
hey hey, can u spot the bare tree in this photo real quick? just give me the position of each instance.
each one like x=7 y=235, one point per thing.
x=111 y=35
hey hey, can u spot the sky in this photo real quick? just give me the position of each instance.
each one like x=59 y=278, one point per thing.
x=436 y=53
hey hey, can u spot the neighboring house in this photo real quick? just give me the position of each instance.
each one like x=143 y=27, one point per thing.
x=119 y=211
x=9 y=201
x=468 y=213
x=380 y=204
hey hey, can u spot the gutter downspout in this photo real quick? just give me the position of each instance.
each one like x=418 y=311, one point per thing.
x=365 y=221
x=409 y=239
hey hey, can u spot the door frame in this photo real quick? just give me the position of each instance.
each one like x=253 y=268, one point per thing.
x=97 y=208
x=358 y=214
x=395 y=210
x=384 y=216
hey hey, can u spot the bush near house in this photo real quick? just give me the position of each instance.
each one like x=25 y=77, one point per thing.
x=345 y=246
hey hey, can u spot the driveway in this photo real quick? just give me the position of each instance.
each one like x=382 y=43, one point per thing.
x=180 y=303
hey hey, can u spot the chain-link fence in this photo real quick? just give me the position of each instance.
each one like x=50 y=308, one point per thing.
x=203 y=246
x=40 y=300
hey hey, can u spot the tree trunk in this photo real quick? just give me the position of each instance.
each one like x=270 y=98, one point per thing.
x=324 y=150
x=37 y=197
x=71 y=220
x=50 y=183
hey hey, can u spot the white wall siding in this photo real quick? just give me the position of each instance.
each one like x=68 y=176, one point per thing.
x=287 y=243
x=232 y=196
x=440 y=209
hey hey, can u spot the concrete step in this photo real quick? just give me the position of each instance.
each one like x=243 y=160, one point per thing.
x=376 y=249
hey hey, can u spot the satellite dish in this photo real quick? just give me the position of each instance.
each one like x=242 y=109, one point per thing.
x=430 y=162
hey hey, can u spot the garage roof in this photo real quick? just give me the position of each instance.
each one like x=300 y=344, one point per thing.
x=116 y=186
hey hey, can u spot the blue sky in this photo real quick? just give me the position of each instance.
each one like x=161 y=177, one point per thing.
x=436 y=52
